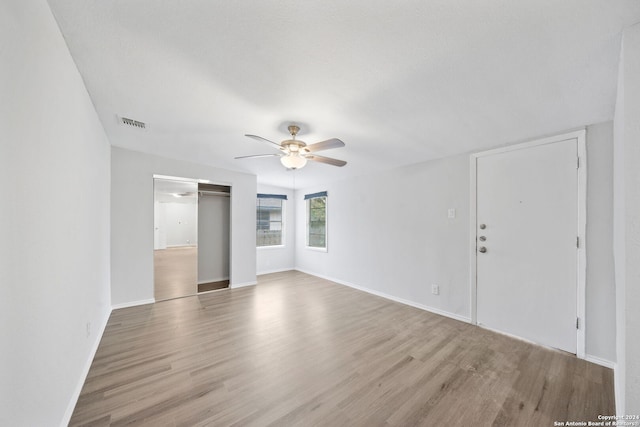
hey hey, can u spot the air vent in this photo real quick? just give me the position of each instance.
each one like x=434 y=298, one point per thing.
x=132 y=123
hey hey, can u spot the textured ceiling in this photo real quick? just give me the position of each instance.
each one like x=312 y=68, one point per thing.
x=165 y=190
x=398 y=81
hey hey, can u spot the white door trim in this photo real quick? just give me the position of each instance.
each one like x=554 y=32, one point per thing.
x=581 y=266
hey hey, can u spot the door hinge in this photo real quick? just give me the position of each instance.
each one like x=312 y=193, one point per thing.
x=578 y=242
x=577 y=323
x=578 y=163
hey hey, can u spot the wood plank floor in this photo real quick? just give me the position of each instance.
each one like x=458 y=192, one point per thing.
x=175 y=272
x=296 y=350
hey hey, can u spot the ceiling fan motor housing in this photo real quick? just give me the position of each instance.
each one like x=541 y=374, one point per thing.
x=293 y=145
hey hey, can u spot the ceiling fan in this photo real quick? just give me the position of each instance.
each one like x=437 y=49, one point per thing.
x=295 y=153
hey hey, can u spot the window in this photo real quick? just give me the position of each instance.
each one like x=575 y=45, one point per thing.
x=269 y=219
x=317 y=220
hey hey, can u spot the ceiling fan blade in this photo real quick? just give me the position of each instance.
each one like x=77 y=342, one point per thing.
x=327 y=160
x=259 y=138
x=324 y=145
x=257 y=155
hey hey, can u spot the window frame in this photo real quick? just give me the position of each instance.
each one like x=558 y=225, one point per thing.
x=283 y=200
x=308 y=199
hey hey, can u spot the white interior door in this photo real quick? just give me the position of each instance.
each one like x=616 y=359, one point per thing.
x=527 y=220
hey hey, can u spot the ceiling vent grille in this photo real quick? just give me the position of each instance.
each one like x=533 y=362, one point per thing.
x=132 y=123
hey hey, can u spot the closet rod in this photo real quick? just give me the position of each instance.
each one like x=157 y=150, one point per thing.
x=213 y=193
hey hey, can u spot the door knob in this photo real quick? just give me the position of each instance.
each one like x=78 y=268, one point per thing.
x=482 y=238
x=482 y=249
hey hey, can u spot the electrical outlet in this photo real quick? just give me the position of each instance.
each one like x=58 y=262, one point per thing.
x=451 y=213
x=88 y=329
x=435 y=289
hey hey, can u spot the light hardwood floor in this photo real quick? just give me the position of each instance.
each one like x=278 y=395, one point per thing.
x=175 y=272
x=299 y=350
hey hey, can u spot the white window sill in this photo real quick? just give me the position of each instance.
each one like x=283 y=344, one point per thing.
x=312 y=248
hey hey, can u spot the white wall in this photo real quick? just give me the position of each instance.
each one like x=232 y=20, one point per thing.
x=600 y=300
x=54 y=221
x=619 y=237
x=132 y=221
x=389 y=233
x=181 y=223
x=213 y=238
x=159 y=227
x=627 y=224
x=632 y=217
x=273 y=259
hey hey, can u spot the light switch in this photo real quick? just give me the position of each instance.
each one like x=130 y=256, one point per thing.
x=451 y=213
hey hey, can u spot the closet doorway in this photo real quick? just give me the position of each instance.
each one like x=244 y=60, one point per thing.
x=213 y=236
x=191 y=237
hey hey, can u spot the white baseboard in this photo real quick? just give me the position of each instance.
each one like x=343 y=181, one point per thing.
x=85 y=371
x=392 y=297
x=279 y=270
x=242 y=285
x=599 y=361
x=133 y=303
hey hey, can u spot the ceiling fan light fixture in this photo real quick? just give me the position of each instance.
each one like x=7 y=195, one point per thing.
x=293 y=161
x=294 y=153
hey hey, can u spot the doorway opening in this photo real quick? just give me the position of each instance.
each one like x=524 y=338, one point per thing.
x=213 y=236
x=191 y=237
x=527 y=241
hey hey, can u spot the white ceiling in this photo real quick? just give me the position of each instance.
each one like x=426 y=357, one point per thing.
x=398 y=81
x=171 y=191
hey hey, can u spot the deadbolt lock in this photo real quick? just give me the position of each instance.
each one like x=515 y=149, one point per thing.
x=483 y=226
x=482 y=249
x=482 y=238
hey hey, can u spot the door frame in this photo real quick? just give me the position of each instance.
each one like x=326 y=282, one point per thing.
x=580 y=136
x=201 y=181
